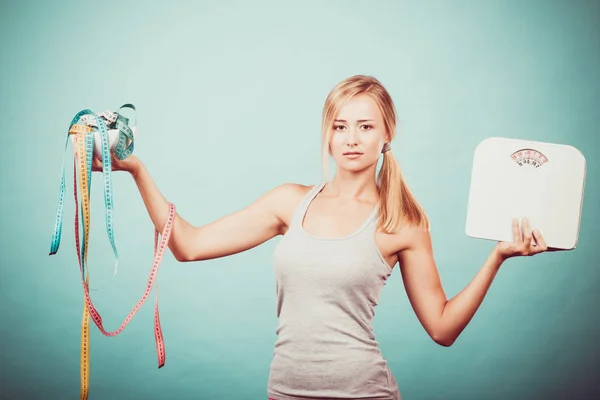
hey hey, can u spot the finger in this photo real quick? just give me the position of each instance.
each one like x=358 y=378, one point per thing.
x=96 y=164
x=539 y=239
x=526 y=233
x=116 y=163
x=516 y=231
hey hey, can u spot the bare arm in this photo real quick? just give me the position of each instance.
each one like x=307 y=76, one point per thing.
x=459 y=311
x=241 y=230
x=158 y=209
x=234 y=233
x=444 y=320
x=422 y=283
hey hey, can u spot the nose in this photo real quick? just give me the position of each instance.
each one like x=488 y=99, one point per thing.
x=352 y=137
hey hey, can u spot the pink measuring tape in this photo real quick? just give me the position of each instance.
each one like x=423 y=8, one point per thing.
x=158 y=254
x=159 y=251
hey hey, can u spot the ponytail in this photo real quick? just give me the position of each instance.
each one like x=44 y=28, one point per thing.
x=397 y=203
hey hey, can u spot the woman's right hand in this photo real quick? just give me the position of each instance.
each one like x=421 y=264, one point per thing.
x=129 y=164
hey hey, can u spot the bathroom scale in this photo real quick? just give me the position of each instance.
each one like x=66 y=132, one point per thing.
x=543 y=182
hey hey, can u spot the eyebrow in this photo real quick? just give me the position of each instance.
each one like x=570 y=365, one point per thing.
x=360 y=120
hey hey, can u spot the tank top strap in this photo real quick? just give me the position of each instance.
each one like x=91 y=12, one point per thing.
x=370 y=223
x=301 y=210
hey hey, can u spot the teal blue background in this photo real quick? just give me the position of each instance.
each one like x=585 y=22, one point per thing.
x=229 y=97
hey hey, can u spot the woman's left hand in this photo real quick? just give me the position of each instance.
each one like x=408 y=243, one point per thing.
x=522 y=244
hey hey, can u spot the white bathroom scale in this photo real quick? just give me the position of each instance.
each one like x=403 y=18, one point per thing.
x=543 y=182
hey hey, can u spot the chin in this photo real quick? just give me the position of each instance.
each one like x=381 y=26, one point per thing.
x=355 y=167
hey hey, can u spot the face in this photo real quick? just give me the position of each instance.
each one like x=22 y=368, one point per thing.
x=358 y=128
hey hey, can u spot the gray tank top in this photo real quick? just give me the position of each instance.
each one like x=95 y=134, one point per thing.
x=327 y=290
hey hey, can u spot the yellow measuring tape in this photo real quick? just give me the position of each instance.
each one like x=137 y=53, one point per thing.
x=80 y=131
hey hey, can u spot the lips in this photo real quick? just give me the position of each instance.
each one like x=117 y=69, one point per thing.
x=352 y=153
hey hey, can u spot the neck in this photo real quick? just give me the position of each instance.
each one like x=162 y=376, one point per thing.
x=352 y=186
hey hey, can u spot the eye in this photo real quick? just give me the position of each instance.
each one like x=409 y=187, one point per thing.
x=368 y=126
x=335 y=127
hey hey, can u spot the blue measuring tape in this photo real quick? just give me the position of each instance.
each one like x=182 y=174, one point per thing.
x=123 y=149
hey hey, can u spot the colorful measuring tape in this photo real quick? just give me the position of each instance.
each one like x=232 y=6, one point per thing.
x=82 y=131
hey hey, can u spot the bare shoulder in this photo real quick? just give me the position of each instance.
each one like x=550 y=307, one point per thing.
x=410 y=237
x=284 y=199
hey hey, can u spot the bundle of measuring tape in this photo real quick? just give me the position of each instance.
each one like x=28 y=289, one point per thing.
x=102 y=134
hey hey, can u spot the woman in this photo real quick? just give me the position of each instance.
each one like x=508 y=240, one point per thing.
x=341 y=240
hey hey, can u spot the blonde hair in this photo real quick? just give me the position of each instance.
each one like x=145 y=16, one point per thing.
x=397 y=203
